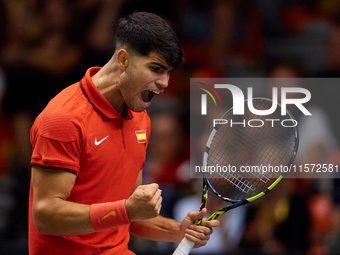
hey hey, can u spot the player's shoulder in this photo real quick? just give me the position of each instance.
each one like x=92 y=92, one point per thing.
x=62 y=117
x=142 y=117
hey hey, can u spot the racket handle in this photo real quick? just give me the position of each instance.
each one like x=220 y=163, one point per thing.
x=184 y=247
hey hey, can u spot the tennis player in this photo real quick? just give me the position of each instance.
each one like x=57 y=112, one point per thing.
x=89 y=146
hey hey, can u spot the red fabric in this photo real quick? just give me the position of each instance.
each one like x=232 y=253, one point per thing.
x=79 y=131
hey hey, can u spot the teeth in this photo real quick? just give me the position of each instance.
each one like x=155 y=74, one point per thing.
x=155 y=91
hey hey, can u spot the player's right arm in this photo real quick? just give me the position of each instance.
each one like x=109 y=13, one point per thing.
x=54 y=215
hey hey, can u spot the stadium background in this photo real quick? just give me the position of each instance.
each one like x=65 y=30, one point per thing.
x=47 y=45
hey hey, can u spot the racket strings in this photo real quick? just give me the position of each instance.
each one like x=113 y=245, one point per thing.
x=237 y=146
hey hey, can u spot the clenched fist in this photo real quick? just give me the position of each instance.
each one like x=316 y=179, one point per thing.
x=144 y=203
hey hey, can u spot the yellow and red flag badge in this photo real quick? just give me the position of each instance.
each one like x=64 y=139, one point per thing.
x=141 y=136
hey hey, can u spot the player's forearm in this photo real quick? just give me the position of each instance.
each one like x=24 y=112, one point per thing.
x=158 y=229
x=60 y=217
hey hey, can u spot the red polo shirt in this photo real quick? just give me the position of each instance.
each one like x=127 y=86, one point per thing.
x=79 y=131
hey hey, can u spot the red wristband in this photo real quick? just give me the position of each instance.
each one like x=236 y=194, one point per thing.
x=108 y=215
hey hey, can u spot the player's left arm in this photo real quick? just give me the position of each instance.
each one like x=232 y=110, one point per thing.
x=168 y=230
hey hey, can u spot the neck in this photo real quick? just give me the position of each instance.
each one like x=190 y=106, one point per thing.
x=106 y=81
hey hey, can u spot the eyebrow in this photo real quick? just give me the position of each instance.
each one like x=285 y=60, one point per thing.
x=162 y=66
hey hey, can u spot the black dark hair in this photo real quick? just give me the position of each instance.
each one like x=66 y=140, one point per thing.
x=145 y=33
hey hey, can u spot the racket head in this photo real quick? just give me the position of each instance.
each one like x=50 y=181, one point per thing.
x=271 y=144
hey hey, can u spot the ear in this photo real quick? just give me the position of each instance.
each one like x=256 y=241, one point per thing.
x=123 y=59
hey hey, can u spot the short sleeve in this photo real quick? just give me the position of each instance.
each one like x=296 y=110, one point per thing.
x=56 y=143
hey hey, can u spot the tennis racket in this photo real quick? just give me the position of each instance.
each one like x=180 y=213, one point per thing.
x=246 y=157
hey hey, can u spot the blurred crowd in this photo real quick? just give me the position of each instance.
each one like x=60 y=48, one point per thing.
x=47 y=45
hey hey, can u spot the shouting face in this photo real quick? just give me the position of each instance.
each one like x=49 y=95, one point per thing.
x=143 y=78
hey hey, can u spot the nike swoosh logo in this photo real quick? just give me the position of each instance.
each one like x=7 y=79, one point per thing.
x=99 y=142
x=109 y=214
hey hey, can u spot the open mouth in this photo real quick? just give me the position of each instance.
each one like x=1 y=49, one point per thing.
x=147 y=95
